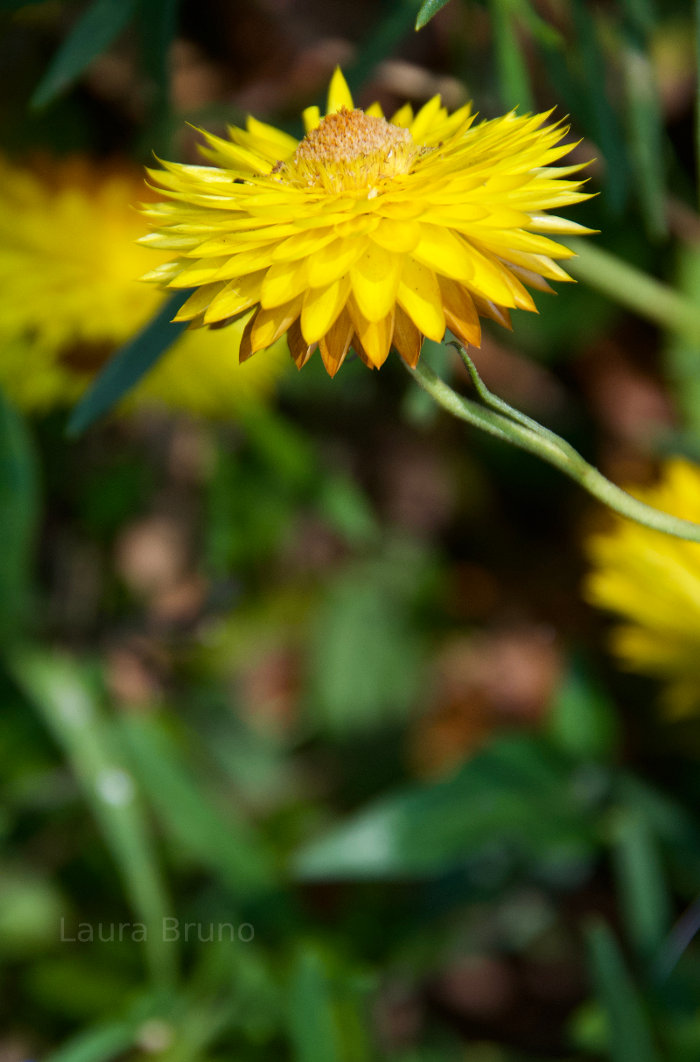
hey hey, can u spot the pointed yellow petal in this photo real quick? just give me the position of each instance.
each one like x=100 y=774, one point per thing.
x=445 y=253
x=234 y=298
x=375 y=278
x=398 y=236
x=419 y=295
x=284 y=144
x=269 y=325
x=283 y=282
x=321 y=308
x=375 y=336
x=198 y=302
x=333 y=260
x=460 y=312
x=339 y=95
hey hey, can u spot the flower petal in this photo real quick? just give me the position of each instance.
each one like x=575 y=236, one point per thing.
x=336 y=343
x=339 y=94
x=321 y=307
x=419 y=295
x=283 y=282
x=375 y=278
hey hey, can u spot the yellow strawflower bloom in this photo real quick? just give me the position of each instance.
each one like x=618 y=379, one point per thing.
x=70 y=268
x=652 y=582
x=367 y=233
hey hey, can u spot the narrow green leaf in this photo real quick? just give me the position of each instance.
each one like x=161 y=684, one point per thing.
x=631 y=1038
x=311 y=1022
x=516 y=790
x=223 y=844
x=107 y=1040
x=98 y=26
x=542 y=31
x=644 y=897
x=158 y=25
x=97 y=1045
x=19 y=509
x=645 y=130
x=128 y=365
x=603 y=122
x=428 y=10
x=513 y=76
x=63 y=696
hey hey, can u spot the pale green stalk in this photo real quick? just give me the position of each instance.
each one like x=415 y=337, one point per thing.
x=497 y=418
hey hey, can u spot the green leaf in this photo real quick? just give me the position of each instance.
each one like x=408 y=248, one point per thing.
x=645 y=130
x=428 y=10
x=107 y=1040
x=128 y=365
x=97 y=27
x=158 y=25
x=517 y=794
x=61 y=692
x=312 y=1029
x=644 y=897
x=99 y=1044
x=513 y=76
x=602 y=120
x=630 y=1032
x=19 y=505
x=582 y=720
x=365 y=653
x=225 y=845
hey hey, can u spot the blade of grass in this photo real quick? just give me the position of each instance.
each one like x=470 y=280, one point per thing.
x=158 y=24
x=19 y=503
x=312 y=1028
x=97 y=27
x=513 y=76
x=644 y=898
x=128 y=365
x=631 y=1038
x=60 y=691
x=225 y=845
x=644 y=121
x=602 y=121
x=428 y=11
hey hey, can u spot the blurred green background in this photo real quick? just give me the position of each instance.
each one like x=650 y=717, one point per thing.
x=312 y=687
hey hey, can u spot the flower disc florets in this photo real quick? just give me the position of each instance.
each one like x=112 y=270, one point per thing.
x=350 y=150
x=368 y=233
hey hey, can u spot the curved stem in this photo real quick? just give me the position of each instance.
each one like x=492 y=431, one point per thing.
x=499 y=419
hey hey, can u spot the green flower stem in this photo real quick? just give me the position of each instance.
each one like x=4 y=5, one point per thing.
x=632 y=288
x=497 y=418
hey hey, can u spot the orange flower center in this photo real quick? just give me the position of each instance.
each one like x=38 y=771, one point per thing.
x=350 y=150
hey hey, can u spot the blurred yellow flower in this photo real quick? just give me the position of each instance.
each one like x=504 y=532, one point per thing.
x=70 y=266
x=652 y=582
x=367 y=233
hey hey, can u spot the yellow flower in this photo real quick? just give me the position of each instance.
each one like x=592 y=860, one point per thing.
x=367 y=233
x=652 y=582
x=69 y=273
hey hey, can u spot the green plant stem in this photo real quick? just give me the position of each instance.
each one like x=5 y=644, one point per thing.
x=501 y=420
x=633 y=288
